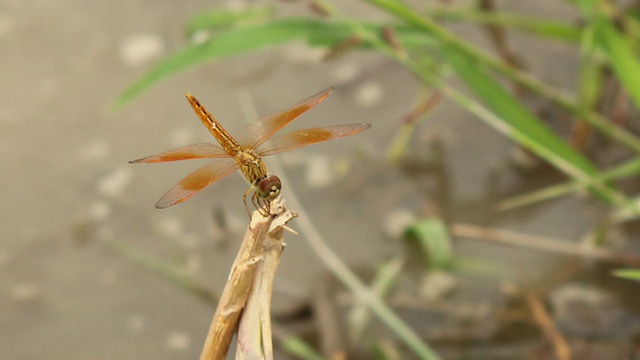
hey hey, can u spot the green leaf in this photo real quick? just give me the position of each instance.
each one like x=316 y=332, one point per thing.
x=477 y=266
x=505 y=113
x=631 y=274
x=255 y=37
x=517 y=122
x=629 y=168
x=513 y=118
x=232 y=42
x=217 y=19
x=442 y=35
x=550 y=29
x=294 y=345
x=591 y=73
x=620 y=52
x=432 y=237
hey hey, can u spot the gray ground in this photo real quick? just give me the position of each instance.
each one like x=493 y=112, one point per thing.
x=67 y=187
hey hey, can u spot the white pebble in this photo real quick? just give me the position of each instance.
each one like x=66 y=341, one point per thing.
x=369 y=94
x=345 y=73
x=319 y=173
x=115 y=182
x=100 y=210
x=94 y=150
x=170 y=227
x=200 y=37
x=26 y=292
x=140 y=49
x=181 y=137
x=436 y=285
x=397 y=222
x=178 y=340
x=302 y=54
x=136 y=323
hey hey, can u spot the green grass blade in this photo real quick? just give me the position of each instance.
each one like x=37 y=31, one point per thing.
x=296 y=346
x=432 y=239
x=591 y=73
x=254 y=37
x=429 y=28
x=506 y=114
x=522 y=126
x=517 y=121
x=620 y=52
x=232 y=42
x=631 y=274
x=219 y=19
x=629 y=168
x=550 y=29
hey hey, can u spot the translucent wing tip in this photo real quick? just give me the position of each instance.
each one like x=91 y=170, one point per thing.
x=164 y=203
x=353 y=129
x=324 y=93
x=138 y=161
x=174 y=196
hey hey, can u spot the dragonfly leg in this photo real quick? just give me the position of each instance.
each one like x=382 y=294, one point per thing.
x=261 y=204
x=244 y=200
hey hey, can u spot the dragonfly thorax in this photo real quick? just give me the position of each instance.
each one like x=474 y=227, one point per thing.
x=268 y=187
x=252 y=167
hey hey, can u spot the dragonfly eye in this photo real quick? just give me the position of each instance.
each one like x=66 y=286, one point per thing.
x=269 y=187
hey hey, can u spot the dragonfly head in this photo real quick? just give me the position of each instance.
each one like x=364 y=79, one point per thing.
x=268 y=187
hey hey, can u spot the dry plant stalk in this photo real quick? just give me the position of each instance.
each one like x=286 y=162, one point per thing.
x=541 y=243
x=246 y=298
x=543 y=319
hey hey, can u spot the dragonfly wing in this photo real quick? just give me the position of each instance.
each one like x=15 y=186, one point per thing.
x=258 y=132
x=197 y=151
x=196 y=181
x=300 y=138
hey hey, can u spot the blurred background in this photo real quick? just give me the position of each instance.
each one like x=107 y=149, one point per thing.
x=80 y=233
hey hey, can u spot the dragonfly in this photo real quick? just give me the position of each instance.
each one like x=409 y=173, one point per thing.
x=245 y=152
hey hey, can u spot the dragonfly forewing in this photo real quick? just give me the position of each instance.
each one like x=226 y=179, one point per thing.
x=196 y=181
x=301 y=138
x=258 y=132
x=197 y=151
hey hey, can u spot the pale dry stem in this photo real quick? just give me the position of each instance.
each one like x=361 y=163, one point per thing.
x=252 y=267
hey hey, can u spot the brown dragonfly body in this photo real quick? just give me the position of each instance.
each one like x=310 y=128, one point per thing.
x=245 y=152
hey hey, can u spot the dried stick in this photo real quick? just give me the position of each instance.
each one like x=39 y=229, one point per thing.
x=543 y=319
x=254 y=333
x=246 y=268
x=540 y=243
